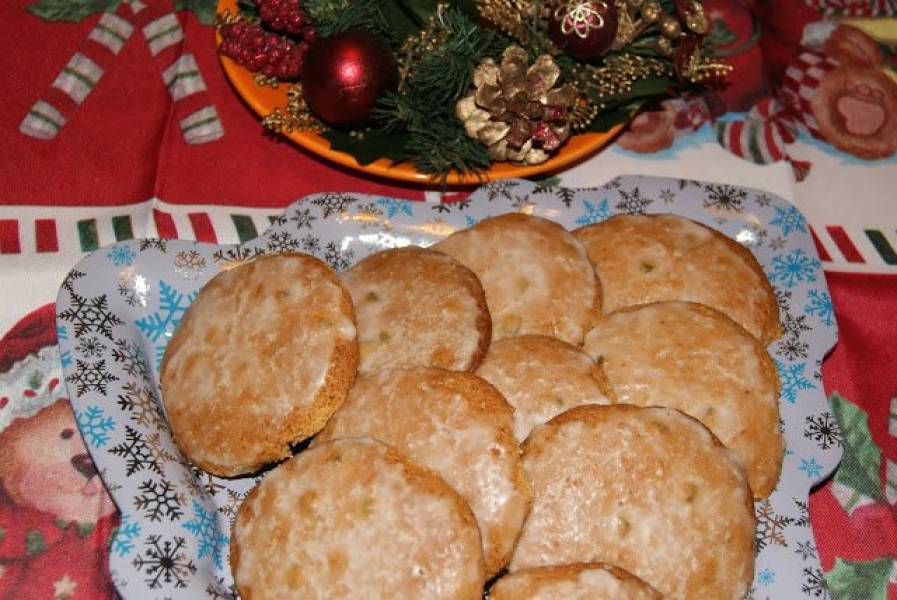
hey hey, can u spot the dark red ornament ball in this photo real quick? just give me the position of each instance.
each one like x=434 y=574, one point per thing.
x=344 y=75
x=584 y=30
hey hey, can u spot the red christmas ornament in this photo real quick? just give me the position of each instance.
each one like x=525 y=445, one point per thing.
x=584 y=30
x=343 y=75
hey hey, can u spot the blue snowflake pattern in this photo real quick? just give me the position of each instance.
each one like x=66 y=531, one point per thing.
x=65 y=357
x=471 y=220
x=121 y=256
x=593 y=213
x=793 y=268
x=793 y=380
x=94 y=425
x=125 y=536
x=159 y=326
x=812 y=468
x=766 y=577
x=208 y=534
x=394 y=207
x=821 y=306
x=789 y=219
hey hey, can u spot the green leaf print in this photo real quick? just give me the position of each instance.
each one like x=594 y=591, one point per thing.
x=72 y=11
x=860 y=579
x=862 y=458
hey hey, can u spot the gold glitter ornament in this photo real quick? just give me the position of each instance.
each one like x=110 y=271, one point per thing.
x=691 y=13
x=697 y=22
x=664 y=46
x=669 y=27
x=516 y=110
x=651 y=12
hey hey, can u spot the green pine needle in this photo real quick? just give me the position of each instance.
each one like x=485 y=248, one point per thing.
x=335 y=16
x=418 y=123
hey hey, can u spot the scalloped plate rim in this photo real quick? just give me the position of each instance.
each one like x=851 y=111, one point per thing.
x=832 y=455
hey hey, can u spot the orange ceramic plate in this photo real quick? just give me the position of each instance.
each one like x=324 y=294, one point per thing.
x=263 y=100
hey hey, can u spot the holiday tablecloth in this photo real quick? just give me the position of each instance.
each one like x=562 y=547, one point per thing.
x=118 y=123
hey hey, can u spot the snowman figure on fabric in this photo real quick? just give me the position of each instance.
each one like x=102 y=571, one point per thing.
x=56 y=518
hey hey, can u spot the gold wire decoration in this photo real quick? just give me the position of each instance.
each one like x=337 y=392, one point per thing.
x=419 y=44
x=576 y=17
x=509 y=16
x=228 y=17
x=264 y=80
x=617 y=75
x=582 y=114
x=698 y=68
x=295 y=117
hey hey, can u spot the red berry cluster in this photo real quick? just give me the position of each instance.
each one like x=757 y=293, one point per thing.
x=275 y=48
x=261 y=51
x=283 y=15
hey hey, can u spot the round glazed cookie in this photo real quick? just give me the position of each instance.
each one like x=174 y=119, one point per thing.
x=541 y=377
x=418 y=308
x=647 y=489
x=354 y=519
x=653 y=258
x=262 y=358
x=581 y=581
x=457 y=425
x=694 y=359
x=536 y=276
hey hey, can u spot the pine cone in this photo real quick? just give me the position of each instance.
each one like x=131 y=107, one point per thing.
x=515 y=110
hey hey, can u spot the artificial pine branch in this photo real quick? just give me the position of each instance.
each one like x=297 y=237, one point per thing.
x=335 y=16
x=425 y=109
x=439 y=43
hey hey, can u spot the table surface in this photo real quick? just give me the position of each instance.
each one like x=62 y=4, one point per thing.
x=97 y=148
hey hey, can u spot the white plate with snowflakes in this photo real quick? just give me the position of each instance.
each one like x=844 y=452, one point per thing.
x=119 y=306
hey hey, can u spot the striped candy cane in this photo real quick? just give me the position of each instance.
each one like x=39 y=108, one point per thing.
x=164 y=36
x=78 y=77
x=197 y=116
x=763 y=136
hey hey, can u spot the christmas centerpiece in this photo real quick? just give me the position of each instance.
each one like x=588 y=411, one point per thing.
x=457 y=86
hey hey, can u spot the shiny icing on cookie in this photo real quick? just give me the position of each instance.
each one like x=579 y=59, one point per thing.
x=354 y=519
x=649 y=490
x=694 y=359
x=654 y=258
x=536 y=276
x=417 y=307
x=457 y=425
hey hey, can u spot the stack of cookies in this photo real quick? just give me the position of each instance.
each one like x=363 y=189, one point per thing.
x=542 y=413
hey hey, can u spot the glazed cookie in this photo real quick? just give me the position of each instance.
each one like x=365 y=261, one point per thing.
x=536 y=276
x=647 y=489
x=541 y=377
x=653 y=258
x=262 y=358
x=581 y=581
x=697 y=360
x=418 y=308
x=457 y=425
x=354 y=519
